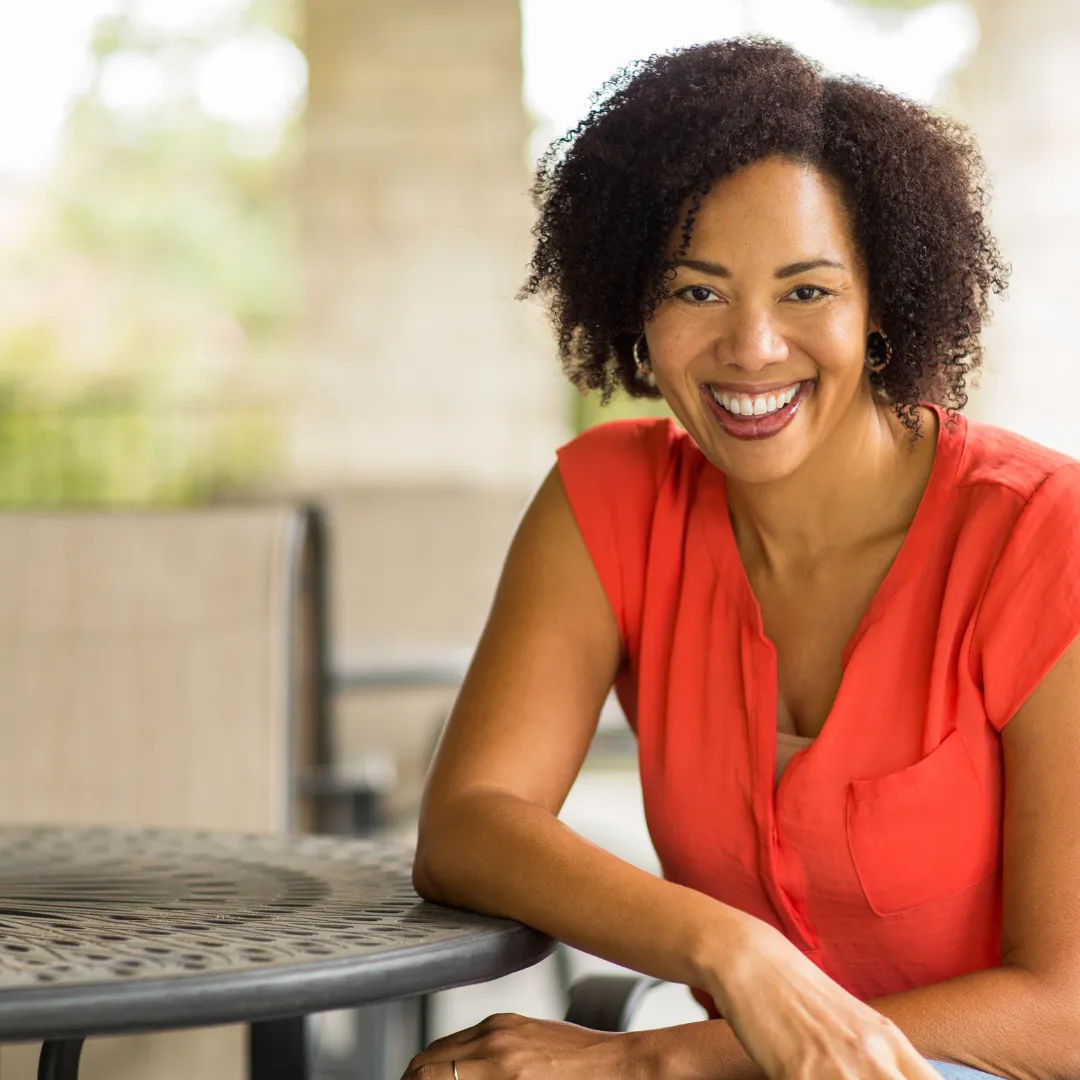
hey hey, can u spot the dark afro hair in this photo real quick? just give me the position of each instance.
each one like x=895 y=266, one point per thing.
x=662 y=131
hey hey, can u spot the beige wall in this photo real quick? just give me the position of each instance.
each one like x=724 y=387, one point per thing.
x=418 y=364
x=1019 y=95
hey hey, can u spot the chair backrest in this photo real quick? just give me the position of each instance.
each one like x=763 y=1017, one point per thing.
x=414 y=570
x=416 y=566
x=160 y=669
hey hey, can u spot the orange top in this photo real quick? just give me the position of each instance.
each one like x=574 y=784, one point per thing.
x=787 y=746
x=879 y=852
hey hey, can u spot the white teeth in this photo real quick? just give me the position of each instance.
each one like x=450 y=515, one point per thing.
x=744 y=405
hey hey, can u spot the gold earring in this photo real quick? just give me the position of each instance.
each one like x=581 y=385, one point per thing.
x=878 y=352
x=644 y=365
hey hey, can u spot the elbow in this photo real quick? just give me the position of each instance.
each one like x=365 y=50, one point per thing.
x=1049 y=1049
x=434 y=862
x=1064 y=1046
x=423 y=881
x=445 y=865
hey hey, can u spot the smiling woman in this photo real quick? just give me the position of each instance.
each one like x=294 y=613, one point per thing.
x=613 y=216
x=850 y=653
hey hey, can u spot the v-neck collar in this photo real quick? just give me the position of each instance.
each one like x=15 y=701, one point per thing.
x=948 y=452
x=780 y=876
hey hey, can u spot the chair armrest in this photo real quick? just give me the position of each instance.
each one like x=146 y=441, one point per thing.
x=607 y=1002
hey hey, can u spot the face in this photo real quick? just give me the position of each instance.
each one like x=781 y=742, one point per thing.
x=767 y=314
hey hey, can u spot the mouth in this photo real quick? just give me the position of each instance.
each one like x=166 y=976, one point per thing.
x=758 y=417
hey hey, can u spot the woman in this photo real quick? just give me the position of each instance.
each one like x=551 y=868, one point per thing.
x=827 y=572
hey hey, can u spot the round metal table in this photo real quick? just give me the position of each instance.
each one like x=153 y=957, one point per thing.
x=115 y=930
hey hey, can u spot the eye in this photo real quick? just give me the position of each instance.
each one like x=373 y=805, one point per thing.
x=809 y=293
x=696 y=294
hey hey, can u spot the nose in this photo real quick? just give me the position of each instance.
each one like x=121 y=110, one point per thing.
x=752 y=341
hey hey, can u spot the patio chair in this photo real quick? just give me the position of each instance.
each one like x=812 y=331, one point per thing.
x=163 y=669
x=414 y=568
x=607 y=1002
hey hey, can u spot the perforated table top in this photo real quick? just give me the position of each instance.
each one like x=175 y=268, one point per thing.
x=110 y=930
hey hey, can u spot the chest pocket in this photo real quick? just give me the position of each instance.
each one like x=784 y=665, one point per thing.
x=922 y=834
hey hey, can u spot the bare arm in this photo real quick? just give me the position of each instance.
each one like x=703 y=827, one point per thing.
x=1002 y=1021
x=490 y=839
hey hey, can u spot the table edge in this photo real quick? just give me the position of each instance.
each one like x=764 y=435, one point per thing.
x=211 y=999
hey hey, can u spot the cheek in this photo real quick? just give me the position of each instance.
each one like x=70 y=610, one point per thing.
x=836 y=336
x=675 y=336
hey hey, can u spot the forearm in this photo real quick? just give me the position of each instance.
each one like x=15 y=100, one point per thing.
x=496 y=853
x=707 y=1050
x=1003 y=1021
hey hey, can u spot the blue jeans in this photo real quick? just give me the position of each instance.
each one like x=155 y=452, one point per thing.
x=959 y=1072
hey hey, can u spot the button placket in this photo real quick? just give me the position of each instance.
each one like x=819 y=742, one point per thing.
x=779 y=864
x=792 y=887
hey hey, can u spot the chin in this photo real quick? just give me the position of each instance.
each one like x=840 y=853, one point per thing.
x=751 y=461
x=769 y=470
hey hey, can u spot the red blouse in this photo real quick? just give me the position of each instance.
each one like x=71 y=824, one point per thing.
x=879 y=852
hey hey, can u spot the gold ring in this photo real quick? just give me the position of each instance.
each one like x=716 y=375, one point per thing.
x=453 y=1065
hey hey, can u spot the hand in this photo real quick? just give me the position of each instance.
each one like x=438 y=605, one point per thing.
x=797 y=1023
x=511 y=1047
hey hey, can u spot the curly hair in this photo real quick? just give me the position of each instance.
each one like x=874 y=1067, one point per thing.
x=661 y=132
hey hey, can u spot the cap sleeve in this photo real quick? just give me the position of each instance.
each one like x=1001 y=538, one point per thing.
x=1031 y=609
x=612 y=474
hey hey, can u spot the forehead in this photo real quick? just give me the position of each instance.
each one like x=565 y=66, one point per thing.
x=771 y=210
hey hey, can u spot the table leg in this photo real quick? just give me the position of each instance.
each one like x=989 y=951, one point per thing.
x=388 y=1035
x=372 y=1042
x=278 y=1050
x=60 y=1060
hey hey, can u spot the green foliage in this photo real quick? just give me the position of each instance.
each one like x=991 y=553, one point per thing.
x=95 y=453
x=148 y=348
x=108 y=444
x=586 y=410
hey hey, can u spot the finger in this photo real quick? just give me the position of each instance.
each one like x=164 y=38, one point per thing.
x=431 y=1069
x=459 y=1051
x=501 y=1021
x=481 y=1068
x=467 y=1069
x=456 y=1039
x=495 y=1022
x=919 y=1069
x=908 y=1062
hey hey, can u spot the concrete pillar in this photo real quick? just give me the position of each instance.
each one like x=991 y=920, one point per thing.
x=1019 y=95
x=417 y=362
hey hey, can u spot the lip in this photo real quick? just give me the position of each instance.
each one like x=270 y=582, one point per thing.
x=758 y=427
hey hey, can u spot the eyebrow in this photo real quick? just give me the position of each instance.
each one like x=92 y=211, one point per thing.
x=791 y=270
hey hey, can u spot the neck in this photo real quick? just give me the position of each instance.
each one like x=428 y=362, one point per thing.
x=860 y=486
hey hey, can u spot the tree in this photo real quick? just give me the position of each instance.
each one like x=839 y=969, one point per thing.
x=143 y=344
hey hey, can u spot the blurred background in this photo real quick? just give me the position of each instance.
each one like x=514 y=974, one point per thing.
x=254 y=249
